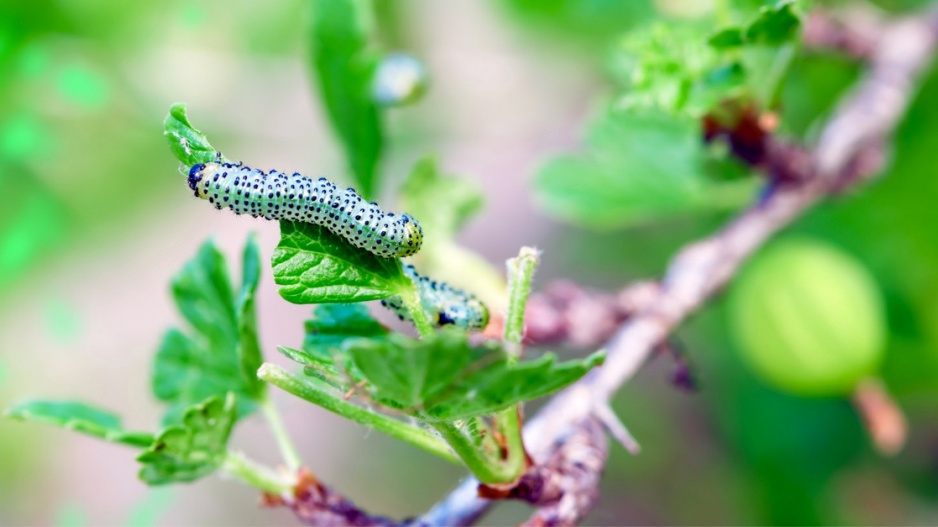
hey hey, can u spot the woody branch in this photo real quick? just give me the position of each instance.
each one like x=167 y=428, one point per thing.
x=851 y=148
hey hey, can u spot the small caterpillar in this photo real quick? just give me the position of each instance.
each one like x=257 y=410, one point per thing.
x=278 y=196
x=445 y=304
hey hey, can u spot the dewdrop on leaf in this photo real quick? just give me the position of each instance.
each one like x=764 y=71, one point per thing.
x=399 y=80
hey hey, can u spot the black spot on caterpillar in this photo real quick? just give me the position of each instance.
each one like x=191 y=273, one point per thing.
x=278 y=196
x=444 y=304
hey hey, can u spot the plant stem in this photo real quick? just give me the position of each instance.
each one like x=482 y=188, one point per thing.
x=776 y=76
x=287 y=450
x=484 y=467
x=520 y=275
x=256 y=475
x=412 y=302
x=304 y=388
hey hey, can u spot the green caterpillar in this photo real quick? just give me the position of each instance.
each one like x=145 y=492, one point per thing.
x=444 y=304
x=278 y=196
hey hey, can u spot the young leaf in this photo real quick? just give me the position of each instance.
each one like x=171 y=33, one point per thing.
x=79 y=417
x=315 y=266
x=194 y=448
x=190 y=146
x=446 y=378
x=659 y=68
x=637 y=167
x=775 y=25
x=219 y=355
x=344 y=69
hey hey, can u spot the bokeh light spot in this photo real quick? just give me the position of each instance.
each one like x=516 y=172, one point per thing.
x=33 y=61
x=36 y=226
x=71 y=515
x=192 y=15
x=22 y=137
x=83 y=86
x=146 y=513
x=63 y=321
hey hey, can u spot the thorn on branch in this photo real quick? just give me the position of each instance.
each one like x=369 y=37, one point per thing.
x=616 y=429
x=883 y=418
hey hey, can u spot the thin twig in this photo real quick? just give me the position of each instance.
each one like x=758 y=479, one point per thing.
x=850 y=150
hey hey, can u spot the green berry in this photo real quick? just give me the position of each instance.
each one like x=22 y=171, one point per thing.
x=808 y=318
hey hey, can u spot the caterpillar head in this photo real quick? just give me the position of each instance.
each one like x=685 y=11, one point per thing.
x=412 y=236
x=197 y=173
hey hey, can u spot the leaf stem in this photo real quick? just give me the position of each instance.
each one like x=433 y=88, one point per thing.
x=776 y=77
x=485 y=467
x=520 y=276
x=287 y=450
x=412 y=302
x=255 y=475
x=304 y=388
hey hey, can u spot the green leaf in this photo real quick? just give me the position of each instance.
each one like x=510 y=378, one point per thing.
x=315 y=266
x=637 y=167
x=190 y=146
x=323 y=356
x=442 y=204
x=344 y=68
x=659 y=66
x=775 y=25
x=220 y=354
x=334 y=324
x=193 y=449
x=503 y=384
x=728 y=38
x=673 y=67
x=249 y=352
x=325 y=396
x=79 y=417
x=446 y=378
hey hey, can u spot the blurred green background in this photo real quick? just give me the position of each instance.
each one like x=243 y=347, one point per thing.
x=95 y=219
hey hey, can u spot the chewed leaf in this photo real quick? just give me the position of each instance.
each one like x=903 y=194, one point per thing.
x=193 y=449
x=190 y=146
x=79 y=417
x=315 y=266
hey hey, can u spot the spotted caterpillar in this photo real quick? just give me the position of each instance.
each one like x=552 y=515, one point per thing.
x=278 y=196
x=444 y=304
